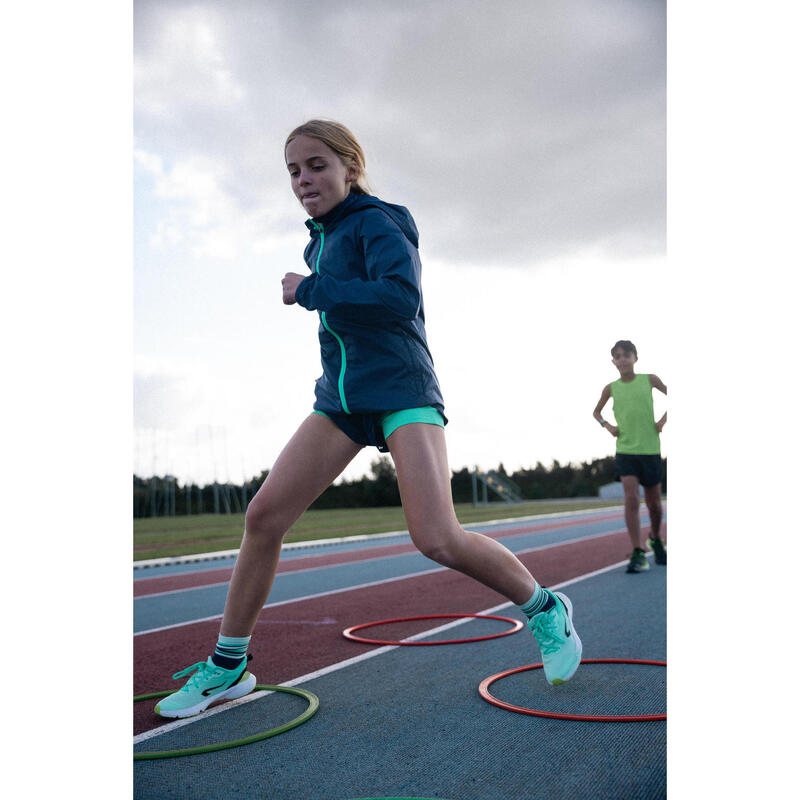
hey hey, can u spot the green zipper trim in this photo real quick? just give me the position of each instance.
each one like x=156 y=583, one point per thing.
x=328 y=327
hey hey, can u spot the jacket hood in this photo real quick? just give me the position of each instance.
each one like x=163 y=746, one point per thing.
x=355 y=202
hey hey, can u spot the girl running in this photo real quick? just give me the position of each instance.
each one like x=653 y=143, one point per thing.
x=378 y=388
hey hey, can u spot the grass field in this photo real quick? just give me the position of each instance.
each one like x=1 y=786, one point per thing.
x=160 y=537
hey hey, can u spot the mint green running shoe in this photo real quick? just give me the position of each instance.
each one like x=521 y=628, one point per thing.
x=557 y=639
x=208 y=684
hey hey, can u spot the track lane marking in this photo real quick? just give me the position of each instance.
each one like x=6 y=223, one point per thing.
x=374 y=583
x=171 y=726
x=403 y=548
x=408 y=548
x=189 y=559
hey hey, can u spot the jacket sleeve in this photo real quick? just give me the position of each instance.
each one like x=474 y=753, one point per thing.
x=391 y=291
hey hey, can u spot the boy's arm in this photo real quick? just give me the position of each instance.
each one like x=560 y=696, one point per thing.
x=657 y=383
x=604 y=395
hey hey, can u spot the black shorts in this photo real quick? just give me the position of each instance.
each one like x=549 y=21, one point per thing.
x=648 y=469
x=374 y=429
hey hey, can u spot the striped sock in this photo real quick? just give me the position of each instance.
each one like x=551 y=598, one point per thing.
x=540 y=601
x=230 y=651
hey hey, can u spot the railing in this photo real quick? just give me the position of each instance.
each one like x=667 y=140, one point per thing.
x=501 y=485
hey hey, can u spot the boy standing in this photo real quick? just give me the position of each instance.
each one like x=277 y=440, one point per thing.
x=638 y=458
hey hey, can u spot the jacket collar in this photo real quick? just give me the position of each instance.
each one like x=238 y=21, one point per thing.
x=336 y=213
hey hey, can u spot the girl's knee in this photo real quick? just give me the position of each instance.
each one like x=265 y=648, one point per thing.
x=263 y=522
x=438 y=548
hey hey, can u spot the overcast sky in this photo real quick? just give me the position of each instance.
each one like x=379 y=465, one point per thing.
x=527 y=139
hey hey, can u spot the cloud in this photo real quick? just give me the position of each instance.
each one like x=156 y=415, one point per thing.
x=528 y=140
x=164 y=396
x=184 y=57
x=515 y=132
x=201 y=213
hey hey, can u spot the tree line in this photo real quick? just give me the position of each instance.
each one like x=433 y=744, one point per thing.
x=165 y=496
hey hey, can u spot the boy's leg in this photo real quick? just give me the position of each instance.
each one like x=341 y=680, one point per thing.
x=638 y=561
x=630 y=485
x=313 y=458
x=652 y=497
x=423 y=476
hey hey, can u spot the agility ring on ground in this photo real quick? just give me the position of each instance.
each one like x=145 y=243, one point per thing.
x=483 y=690
x=313 y=706
x=348 y=632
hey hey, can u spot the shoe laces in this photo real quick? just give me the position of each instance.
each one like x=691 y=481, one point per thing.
x=545 y=628
x=200 y=669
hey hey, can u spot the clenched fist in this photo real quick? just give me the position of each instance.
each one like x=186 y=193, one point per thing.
x=290 y=282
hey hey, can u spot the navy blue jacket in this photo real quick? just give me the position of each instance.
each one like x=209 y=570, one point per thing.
x=365 y=284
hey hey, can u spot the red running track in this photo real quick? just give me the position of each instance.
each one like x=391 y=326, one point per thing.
x=295 y=639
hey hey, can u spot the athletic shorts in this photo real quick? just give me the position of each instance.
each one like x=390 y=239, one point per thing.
x=647 y=469
x=372 y=430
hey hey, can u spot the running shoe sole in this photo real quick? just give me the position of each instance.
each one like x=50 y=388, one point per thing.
x=578 y=643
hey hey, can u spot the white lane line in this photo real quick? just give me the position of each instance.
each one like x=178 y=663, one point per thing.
x=300 y=599
x=310 y=569
x=377 y=583
x=223 y=554
x=287 y=572
x=349 y=662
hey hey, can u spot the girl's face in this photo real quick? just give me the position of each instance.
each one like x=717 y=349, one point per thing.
x=320 y=180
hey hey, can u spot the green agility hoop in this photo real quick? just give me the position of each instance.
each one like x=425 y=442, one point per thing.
x=313 y=706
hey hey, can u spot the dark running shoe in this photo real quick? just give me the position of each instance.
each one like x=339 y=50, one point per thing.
x=657 y=546
x=638 y=562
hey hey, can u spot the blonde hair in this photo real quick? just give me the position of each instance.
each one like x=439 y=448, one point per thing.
x=342 y=142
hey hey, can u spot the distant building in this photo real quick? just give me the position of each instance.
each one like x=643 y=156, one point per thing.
x=614 y=490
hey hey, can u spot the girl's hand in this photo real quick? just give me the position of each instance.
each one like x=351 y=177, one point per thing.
x=613 y=430
x=290 y=282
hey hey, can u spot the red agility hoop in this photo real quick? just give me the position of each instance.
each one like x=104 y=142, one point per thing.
x=348 y=632
x=483 y=690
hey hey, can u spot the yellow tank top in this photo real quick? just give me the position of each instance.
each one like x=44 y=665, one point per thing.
x=633 y=410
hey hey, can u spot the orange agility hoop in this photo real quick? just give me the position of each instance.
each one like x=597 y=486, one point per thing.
x=348 y=633
x=483 y=690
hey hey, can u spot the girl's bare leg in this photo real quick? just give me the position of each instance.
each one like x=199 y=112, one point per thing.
x=423 y=477
x=314 y=457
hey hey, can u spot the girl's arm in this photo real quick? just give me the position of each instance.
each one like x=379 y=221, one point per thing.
x=290 y=282
x=392 y=289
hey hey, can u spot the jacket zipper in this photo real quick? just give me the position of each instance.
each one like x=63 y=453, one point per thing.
x=328 y=328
